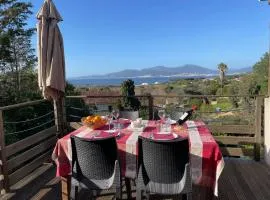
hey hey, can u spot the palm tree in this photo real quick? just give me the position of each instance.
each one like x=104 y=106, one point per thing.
x=222 y=69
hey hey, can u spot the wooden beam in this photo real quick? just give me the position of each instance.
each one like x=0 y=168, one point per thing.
x=75 y=125
x=66 y=185
x=59 y=117
x=31 y=140
x=31 y=153
x=3 y=158
x=29 y=103
x=22 y=172
x=232 y=151
x=234 y=140
x=237 y=129
x=168 y=96
x=258 y=128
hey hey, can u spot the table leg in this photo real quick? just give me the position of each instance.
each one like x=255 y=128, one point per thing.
x=65 y=184
x=128 y=186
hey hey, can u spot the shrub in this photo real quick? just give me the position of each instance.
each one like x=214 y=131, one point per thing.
x=130 y=102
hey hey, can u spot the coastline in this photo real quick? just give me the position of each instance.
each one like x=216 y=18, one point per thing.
x=145 y=80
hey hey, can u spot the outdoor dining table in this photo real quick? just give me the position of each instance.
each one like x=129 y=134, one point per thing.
x=205 y=156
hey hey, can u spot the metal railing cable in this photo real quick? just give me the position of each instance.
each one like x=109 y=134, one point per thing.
x=29 y=120
x=226 y=111
x=75 y=108
x=75 y=116
x=33 y=128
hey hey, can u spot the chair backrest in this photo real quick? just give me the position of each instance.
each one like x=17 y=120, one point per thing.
x=93 y=159
x=163 y=161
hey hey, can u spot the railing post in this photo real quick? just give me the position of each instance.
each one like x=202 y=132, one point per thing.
x=258 y=128
x=4 y=185
x=60 y=116
x=150 y=106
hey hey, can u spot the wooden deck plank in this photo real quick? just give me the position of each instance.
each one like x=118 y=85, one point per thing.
x=255 y=175
x=240 y=180
x=31 y=140
x=239 y=183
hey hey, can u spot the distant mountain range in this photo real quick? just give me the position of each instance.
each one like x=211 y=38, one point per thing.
x=161 y=71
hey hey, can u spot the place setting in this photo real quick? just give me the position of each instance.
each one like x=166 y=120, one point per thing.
x=161 y=129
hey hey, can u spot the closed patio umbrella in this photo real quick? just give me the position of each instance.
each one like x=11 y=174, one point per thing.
x=51 y=61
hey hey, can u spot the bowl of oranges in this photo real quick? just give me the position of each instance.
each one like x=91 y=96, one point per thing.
x=94 y=121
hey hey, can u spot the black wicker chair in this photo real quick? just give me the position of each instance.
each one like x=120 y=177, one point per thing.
x=95 y=166
x=163 y=168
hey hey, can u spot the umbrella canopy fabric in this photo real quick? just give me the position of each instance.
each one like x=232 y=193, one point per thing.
x=51 y=61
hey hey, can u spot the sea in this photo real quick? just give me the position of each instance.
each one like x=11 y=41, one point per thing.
x=137 y=80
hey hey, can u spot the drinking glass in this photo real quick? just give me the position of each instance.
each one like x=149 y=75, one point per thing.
x=167 y=122
x=115 y=114
x=162 y=114
x=109 y=117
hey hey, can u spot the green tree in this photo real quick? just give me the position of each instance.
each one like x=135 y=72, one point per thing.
x=17 y=55
x=168 y=89
x=222 y=67
x=260 y=70
x=211 y=87
x=234 y=91
x=130 y=102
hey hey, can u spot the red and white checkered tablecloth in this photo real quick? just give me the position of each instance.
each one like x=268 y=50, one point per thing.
x=205 y=156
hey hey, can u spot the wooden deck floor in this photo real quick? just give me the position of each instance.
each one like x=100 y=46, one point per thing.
x=240 y=180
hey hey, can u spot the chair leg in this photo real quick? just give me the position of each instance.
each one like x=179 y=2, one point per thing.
x=128 y=187
x=138 y=194
x=73 y=192
x=147 y=195
x=187 y=196
x=118 y=193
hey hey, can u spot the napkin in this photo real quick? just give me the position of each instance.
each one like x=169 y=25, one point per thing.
x=165 y=136
x=137 y=123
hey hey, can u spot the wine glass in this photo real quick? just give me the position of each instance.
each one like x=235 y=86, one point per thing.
x=167 y=122
x=109 y=117
x=162 y=114
x=115 y=114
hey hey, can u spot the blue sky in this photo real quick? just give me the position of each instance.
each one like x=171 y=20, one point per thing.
x=103 y=36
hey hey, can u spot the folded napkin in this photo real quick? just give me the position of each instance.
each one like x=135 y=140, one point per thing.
x=102 y=134
x=137 y=123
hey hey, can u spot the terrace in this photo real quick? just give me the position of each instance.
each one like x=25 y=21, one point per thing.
x=27 y=171
x=30 y=131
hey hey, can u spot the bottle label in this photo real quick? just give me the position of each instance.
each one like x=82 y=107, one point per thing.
x=184 y=116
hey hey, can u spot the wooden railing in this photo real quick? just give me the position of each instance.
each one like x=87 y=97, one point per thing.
x=22 y=157
x=234 y=139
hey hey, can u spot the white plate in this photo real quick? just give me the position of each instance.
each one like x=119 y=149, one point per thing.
x=110 y=131
x=164 y=133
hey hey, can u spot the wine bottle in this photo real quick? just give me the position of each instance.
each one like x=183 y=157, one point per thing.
x=186 y=115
